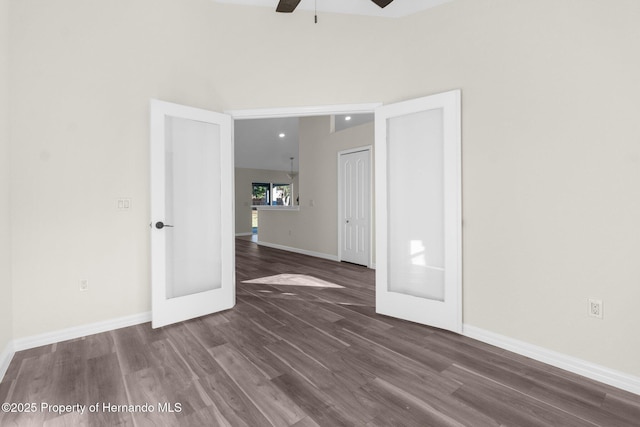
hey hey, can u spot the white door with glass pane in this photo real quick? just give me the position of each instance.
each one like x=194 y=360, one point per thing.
x=354 y=194
x=418 y=211
x=192 y=241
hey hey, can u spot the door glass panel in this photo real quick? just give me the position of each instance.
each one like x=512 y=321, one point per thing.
x=193 y=207
x=416 y=204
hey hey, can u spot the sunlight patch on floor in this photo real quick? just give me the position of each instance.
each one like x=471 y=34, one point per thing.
x=294 y=280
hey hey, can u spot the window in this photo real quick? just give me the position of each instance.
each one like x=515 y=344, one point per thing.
x=281 y=195
x=270 y=194
x=260 y=194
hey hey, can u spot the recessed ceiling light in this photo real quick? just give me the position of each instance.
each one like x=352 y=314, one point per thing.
x=282 y=135
x=347 y=118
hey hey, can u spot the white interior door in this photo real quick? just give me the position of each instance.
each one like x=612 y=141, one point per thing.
x=418 y=211
x=192 y=241
x=355 y=206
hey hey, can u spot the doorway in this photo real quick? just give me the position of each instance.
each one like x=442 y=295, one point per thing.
x=429 y=126
x=254 y=223
x=354 y=206
x=310 y=225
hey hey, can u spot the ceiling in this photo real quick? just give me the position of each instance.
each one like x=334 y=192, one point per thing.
x=258 y=144
x=344 y=121
x=396 y=9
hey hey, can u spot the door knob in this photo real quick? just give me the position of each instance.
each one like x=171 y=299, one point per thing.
x=160 y=225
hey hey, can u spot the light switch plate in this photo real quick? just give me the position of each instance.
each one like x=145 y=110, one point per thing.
x=124 y=204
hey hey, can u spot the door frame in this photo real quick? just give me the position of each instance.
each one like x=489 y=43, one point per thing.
x=369 y=150
x=310 y=111
x=307 y=111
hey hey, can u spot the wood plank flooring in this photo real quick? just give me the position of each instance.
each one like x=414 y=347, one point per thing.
x=301 y=356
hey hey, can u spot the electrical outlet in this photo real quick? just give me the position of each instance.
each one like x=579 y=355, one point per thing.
x=84 y=285
x=595 y=308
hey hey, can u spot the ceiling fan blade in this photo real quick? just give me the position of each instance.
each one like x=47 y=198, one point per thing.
x=287 y=6
x=382 y=3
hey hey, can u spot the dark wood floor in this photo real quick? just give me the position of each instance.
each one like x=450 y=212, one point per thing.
x=299 y=356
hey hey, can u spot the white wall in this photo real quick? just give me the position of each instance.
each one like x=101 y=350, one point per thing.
x=243 y=179
x=6 y=318
x=551 y=165
x=550 y=144
x=85 y=71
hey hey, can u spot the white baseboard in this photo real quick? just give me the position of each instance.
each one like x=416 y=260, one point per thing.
x=5 y=359
x=590 y=370
x=299 y=251
x=80 y=331
x=244 y=234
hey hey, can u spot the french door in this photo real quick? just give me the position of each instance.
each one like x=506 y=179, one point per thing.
x=192 y=240
x=418 y=210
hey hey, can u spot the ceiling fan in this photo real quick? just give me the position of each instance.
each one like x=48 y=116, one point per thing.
x=288 y=6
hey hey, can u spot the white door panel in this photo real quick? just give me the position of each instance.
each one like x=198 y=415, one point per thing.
x=355 y=206
x=193 y=265
x=418 y=221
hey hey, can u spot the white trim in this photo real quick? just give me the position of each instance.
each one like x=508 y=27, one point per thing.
x=369 y=150
x=320 y=110
x=80 y=331
x=298 y=251
x=244 y=234
x=590 y=370
x=356 y=150
x=5 y=359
